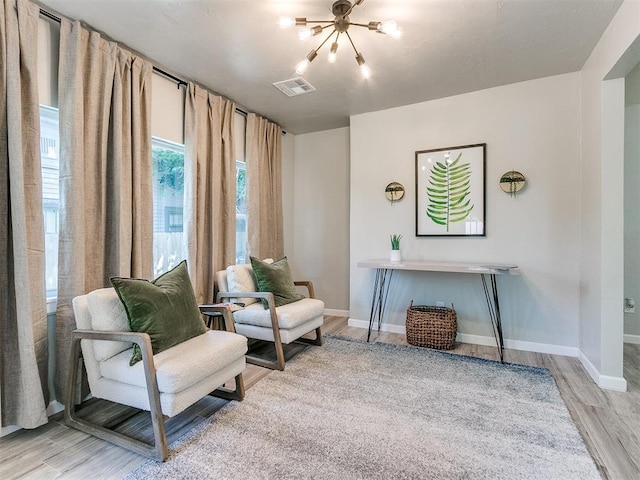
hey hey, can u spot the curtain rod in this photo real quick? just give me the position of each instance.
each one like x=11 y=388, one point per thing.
x=50 y=15
x=178 y=80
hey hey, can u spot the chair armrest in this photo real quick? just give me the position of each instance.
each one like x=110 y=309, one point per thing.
x=268 y=296
x=308 y=284
x=135 y=337
x=226 y=312
x=142 y=339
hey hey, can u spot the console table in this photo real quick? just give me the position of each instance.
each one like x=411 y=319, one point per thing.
x=488 y=272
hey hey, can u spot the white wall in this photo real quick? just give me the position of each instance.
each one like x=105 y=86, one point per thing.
x=602 y=205
x=321 y=214
x=532 y=127
x=632 y=200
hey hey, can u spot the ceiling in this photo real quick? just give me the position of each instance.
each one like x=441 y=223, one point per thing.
x=449 y=47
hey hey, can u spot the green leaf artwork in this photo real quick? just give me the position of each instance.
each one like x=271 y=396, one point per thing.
x=449 y=192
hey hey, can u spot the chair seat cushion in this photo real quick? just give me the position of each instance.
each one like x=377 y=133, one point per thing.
x=182 y=365
x=289 y=316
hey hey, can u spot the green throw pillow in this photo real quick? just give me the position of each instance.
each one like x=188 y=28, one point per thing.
x=166 y=308
x=275 y=278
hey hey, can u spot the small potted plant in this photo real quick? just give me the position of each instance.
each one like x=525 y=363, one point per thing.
x=396 y=253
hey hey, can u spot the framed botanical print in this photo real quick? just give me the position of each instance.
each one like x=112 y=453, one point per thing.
x=450 y=191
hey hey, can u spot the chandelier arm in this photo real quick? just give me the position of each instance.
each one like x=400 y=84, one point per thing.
x=325 y=40
x=354 y=5
x=320 y=21
x=351 y=41
x=366 y=25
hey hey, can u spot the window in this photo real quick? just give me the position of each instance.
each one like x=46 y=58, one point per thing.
x=168 y=200
x=239 y=139
x=241 y=212
x=49 y=157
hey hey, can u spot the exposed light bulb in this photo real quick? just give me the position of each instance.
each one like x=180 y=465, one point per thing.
x=286 y=22
x=333 y=53
x=302 y=66
x=390 y=27
x=365 y=71
x=304 y=33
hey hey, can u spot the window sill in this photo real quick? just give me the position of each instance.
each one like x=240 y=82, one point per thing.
x=52 y=305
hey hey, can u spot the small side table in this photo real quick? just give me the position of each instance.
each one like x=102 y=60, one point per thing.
x=220 y=315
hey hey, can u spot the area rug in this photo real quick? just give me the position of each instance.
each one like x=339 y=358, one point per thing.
x=353 y=410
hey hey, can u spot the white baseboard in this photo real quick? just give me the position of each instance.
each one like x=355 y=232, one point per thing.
x=385 y=327
x=336 y=313
x=603 y=381
x=607 y=382
x=8 y=430
x=483 y=340
x=635 y=339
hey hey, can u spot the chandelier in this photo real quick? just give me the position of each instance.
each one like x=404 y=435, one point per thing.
x=341 y=9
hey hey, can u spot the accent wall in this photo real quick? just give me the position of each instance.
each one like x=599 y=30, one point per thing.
x=532 y=127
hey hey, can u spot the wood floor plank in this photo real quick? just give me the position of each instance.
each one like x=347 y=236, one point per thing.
x=29 y=458
x=608 y=421
x=631 y=359
x=609 y=440
x=39 y=472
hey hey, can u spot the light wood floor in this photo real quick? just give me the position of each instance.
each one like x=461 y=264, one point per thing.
x=608 y=421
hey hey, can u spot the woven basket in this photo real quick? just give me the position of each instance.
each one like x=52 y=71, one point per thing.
x=432 y=327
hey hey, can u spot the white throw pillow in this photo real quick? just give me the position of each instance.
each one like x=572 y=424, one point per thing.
x=108 y=313
x=240 y=278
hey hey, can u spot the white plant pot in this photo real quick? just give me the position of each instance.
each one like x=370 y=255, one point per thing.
x=395 y=255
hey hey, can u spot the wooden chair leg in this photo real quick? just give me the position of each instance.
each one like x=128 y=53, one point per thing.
x=158 y=451
x=227 y=394
x=280 y=359
x=278 y=364
x=313 y=341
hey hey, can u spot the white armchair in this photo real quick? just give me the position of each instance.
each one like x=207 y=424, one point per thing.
x=163 y=384
x=281 y=325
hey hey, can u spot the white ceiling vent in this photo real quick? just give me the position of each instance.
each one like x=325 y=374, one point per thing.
x=294 y=86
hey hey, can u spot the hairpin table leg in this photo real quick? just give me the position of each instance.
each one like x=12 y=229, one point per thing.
x=380 y=294
x=493 y=304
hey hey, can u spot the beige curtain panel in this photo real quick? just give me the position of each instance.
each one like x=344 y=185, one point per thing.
x=264 y=188
x=23 y=309
x=106 y=198
x=209 y=188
